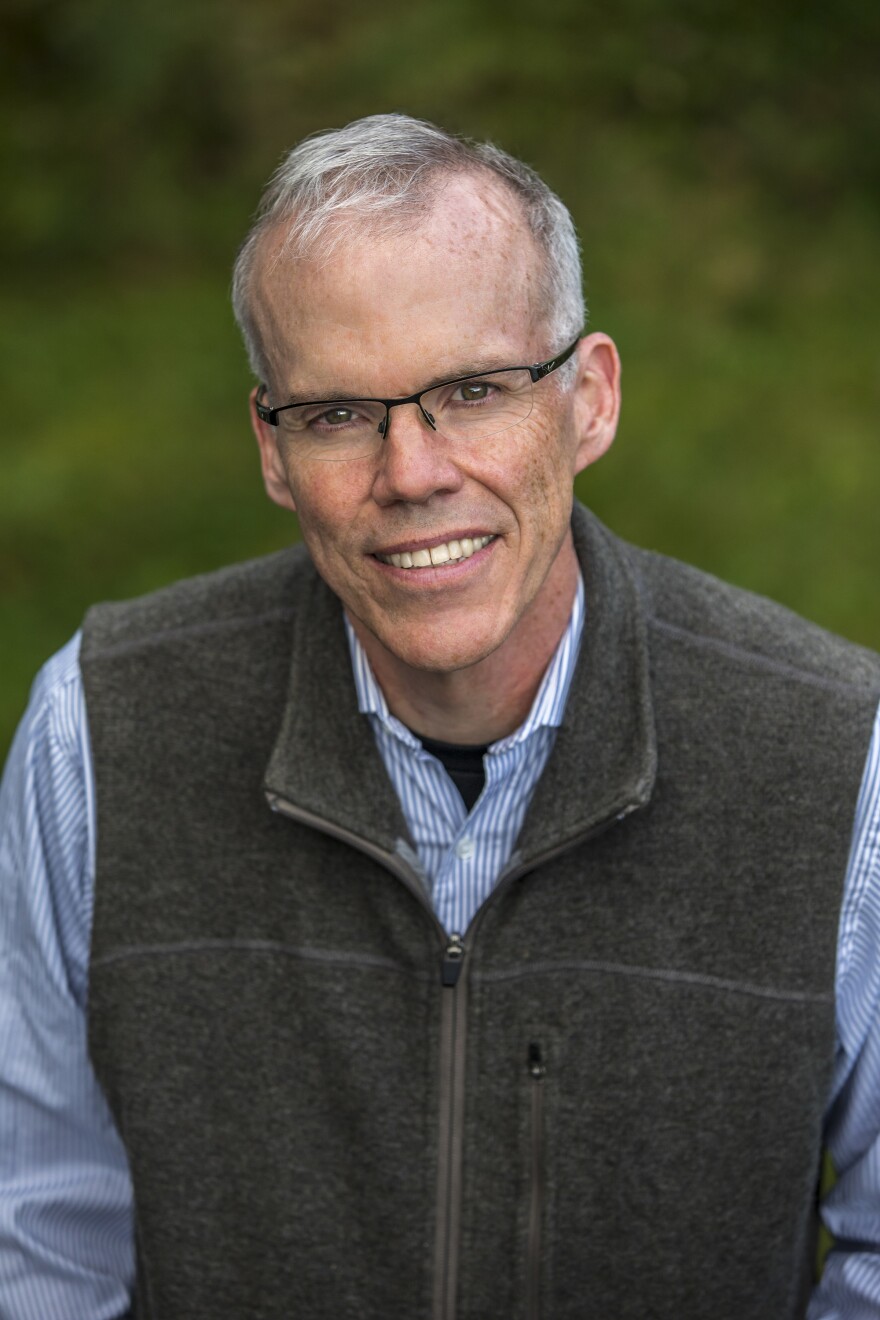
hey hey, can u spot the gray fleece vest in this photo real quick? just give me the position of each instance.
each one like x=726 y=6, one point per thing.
x=606 y=1100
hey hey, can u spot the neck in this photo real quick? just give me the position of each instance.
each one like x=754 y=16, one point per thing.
x=489 y=699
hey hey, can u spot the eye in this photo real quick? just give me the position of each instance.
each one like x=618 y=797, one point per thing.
x=336 y=417
x=326 y=421
x=474 y=391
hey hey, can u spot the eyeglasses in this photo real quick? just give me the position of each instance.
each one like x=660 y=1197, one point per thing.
x=469 y=408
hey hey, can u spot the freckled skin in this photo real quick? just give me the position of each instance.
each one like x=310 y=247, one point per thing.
x=458 y=657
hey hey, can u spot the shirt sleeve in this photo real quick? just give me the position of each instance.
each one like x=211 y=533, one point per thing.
x=850 y=1285
x=66 y=1247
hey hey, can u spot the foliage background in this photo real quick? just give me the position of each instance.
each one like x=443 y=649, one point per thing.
x=722 y=161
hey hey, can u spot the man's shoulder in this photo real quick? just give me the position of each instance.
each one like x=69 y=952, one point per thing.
x=232 y=598
x=734 y=625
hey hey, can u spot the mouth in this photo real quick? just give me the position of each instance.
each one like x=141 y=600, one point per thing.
x=447 y=552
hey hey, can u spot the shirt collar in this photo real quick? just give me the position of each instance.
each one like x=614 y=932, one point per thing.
x=547 y=708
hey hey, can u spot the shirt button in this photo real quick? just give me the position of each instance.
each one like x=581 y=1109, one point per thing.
x=464 y=848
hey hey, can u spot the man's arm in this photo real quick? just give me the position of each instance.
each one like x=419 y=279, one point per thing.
x=850 y=1286
x=65 y=1195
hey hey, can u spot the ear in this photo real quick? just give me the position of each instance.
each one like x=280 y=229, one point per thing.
x=597 y=398
x=274 y=473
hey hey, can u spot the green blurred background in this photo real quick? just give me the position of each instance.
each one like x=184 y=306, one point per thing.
x=722 y=161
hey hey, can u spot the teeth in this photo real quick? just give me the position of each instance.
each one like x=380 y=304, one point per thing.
x=447 y=553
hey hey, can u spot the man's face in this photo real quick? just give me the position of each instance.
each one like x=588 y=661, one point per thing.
x=384 y=318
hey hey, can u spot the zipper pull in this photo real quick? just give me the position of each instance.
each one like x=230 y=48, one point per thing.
x=453 y=956
x=535 y=1062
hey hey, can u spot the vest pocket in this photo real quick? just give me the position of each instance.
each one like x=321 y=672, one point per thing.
x=536 y=1070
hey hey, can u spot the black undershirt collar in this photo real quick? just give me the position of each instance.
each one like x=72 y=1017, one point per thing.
x=463 y=763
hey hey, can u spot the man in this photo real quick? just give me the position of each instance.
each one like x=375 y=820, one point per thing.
x=554 y=962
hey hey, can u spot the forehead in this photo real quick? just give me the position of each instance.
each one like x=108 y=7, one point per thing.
x=462 y=284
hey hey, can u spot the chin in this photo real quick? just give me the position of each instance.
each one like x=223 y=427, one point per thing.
x=442 y=654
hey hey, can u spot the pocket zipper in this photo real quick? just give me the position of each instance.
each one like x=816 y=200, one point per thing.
x=537 y=1071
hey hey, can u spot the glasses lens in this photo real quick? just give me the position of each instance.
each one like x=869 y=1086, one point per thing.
x=340 y=430
x=480 y=406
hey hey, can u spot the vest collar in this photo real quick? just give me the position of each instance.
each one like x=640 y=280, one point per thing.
x=604 y=761
x=325 y=762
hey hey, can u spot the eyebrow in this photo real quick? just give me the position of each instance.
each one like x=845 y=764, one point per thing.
x=479 y=368
x=335 y=396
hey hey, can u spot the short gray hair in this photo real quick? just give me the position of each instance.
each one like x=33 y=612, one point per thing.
x=378 y=171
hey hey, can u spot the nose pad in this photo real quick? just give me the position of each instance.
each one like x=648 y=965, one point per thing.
x=382 y=428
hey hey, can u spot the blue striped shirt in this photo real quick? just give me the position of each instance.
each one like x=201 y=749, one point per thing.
x=463 y=854
x=66 y=1241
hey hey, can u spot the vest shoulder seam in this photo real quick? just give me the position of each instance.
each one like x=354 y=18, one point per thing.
x=758 y=661
x=181 y=631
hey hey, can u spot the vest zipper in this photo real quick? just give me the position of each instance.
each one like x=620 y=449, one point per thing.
x=537 y=1070
x=452 y=961
x=453 y=1026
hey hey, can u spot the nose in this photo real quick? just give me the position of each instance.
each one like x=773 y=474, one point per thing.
x=415 y=462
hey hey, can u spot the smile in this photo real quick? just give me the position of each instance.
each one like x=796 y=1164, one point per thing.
x=448 y=552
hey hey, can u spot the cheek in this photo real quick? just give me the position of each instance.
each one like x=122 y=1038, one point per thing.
x=324 y=496
x=534 y=477
x=327 y=506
